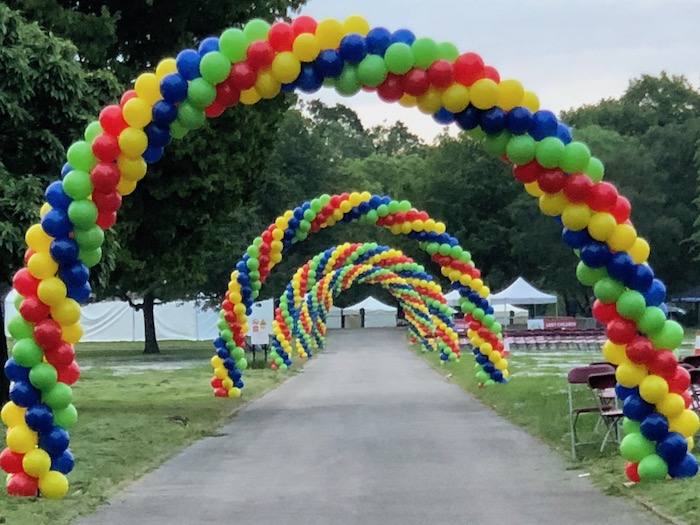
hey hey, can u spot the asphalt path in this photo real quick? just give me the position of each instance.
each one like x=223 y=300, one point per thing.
x=365 y=434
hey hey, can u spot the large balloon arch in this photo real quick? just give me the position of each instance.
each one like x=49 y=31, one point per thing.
x=258 y=62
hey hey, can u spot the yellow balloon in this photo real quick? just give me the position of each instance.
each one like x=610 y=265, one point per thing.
x=165 y=67
x=220 y=372
x=671 y=406
x=502 y=364
x=576 y=216
x=37 y=239
x=623 y=238
x=355 y=199
x=484 y=291
x=42 y=266
x=477 y=283
x=285 y=67
x=21 y=439
x=53 y=485
x=639 y=251
x=234 y=392
x=484 y=93
x=329 y=33
x=72 y=333
x=653 y=389
x=44 y=209
x=687 y=423
x=147 y=87
x=455 y=98
x=630 y=375
x=440 y=227
x=306 y=47
x=532 y=188
x=531 y=101
x=601 y=226
x=216 y=362
x=553 y=204
x=250 y=96
x=510 y=94
x=132 y=142
x=691 y=443
x=454 y=275
x=125 y=186
x=266 y=85
x=408 y=101
x=12 y=415
x=36 y=463
x=137 y=112
x=67 y=312
x=132 y=169
x=615 y=354
x=51 y=291
x=356 y=24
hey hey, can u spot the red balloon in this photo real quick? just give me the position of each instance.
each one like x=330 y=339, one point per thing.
x=440 y=74
x=468 y=68
x=242 y=76
x=105 y=147
x=227 y=305
x=21 y=484
x=529 y=172
x=281 y=36
x=602 y=197
x=69 y=374
x=25 y=283
x=106 y=220
x=216 y=382
x=664 y=364
x=260 y=54
x=631 y=471
x=492 y=73
x=112 y=121
x=47 y=334
x=227 y=94
x=220 y=392
x=621 y=331
x=230 y=317
x=551 y=181
x=390 y=90
x=604 y=312
x=107 y=202
x=33 y=310
x=104 y=176
x=11 y=462
x=416 y=82
x=640 y=350
x=621 y=210
x=577 y=187
x=214 y=109
x=680 y=381
x=61 y=356
x=304 y=24
x=126 y=97
x=28 y=254
x=687 y=398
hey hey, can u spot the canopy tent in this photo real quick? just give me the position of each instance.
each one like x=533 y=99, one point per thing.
x=501 y=313
x=335 y=317
x=377 y=314
x=522 y=292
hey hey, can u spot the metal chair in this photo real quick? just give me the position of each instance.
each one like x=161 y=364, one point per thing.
x=610 y=414
x=695 y=390
x=692 y=360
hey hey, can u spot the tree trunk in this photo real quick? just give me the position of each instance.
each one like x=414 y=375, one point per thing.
x=4 y=382
x=149 y=324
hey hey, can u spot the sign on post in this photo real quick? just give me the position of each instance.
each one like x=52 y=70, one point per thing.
x=260 y=322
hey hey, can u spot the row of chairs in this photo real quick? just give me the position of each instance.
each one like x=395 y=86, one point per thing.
x=600 y=379
x=557 y=340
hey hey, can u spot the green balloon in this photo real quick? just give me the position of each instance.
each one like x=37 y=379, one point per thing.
x=576 y=157
x=18 y=301
x=66 y=417
x=497 y=144
x=496 y=327
x=589 y=276
x=432 y=248
x=372 y=70
x=382 y=210
x=399 y=58
x=241 y=363
x=488 y=320
x=550 y=152
x=92 y=130
x=77 y=184
x=467 y=306
x=489 y=382
x=283 y=366
x=82 y=213
x=670 y=336
x=19 y=328
x=445 y=249
x=595 y=169
x=90 y=258
x=59 y=397
x=316 y=205
x=200 y=93
x=393 y=206
x=452 y=357
x=253 y=250
x=482 y=376
x=252 y=264
x=254 y=275
x=43 y=376
x=652 y=321
x=256 y=29
x=447 y=51
x=304 y=226
x=80 y=156
x=652 y=468
x=635 y=447
x=238 y=353
x=372 y=216
x=226 y=333
x=178 y=131
x=309 y=215
x=608 y=289
x=233 y=44
x=221 y=324
x=347 y=83
x=466 y=256
x=521 y=149
x=478 y=314
x=630 y=426
x=425 y=51
x=27 y=353
x=89 y=239
x=214 y=67
x=189 y=116
x=631 y=304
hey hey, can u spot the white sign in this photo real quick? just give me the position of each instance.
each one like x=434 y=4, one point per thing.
x=260 y=322
x=535 y=324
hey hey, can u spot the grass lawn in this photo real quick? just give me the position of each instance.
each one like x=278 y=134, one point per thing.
x=130 y=421
x=536 y=399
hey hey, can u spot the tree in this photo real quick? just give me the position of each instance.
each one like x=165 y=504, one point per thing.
x=45 y=100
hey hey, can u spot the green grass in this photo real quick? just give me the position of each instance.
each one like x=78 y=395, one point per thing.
x=129 y=423
x=536 y=400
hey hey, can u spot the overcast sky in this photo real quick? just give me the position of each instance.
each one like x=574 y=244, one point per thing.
x=569 y=52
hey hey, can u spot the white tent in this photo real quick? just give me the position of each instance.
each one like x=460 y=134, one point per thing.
x=335 y=317
x=501 y=312
x=377 y=314
x=522 y=292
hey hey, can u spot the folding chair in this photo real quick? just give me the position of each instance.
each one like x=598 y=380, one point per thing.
x=692 y=360
x=579 y=376
x=611 y=415
x=695 y=390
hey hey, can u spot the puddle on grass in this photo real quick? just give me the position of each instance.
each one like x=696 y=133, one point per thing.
x=135 y=368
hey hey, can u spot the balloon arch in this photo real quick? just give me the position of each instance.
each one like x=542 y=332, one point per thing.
x=258 y=62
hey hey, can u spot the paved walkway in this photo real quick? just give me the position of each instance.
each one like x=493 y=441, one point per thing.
x=366 y=434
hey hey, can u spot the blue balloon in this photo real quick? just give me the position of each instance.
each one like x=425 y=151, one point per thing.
x=654 y=427
x=308 y=81
x=405 y=36
x=443 y=116
x=378 y=40
x=164 y=113
x=187 y=63
x=288 y=87
x=493 y=120
x=56 y=223
x=518 y=120
x=488 y=367
x=173 y=87
x=39 y=417
x=640 y=278
x=544 y=124
x=80 y=293
x=497 y=376
x=54 y=441
x=64 y=251
x=620 y=265
x=443 y=357
x=353 y=48
x=15 y=372
x=55 y=195
x=223 y=353
x=672 y=448
x=328 y=64
x=595 y=254
x=209 y=44
x=576 y=238
x=63 y=463
x=23 y=394
x=634 y=407
x=685 y=468
x=229 y=363
x=623 y=392
x=157 y=136
x=469 y=118
x=152 y=154
x=481 y=359
x=74 y=275
x=66 y=169
x=563 y=133
x=656 y=293
x=239 y=384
